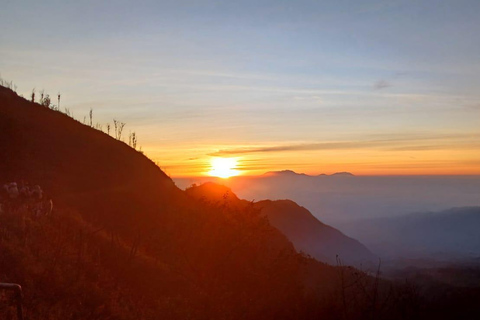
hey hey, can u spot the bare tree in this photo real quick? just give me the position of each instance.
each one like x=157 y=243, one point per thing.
x=118 y=129
x=134 y=140
x=115 y=125
x=45 y=101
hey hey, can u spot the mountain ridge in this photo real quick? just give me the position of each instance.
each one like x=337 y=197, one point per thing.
x=293 y=173
x=307 y=233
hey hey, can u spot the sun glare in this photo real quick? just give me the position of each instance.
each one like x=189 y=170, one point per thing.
x=223 y=167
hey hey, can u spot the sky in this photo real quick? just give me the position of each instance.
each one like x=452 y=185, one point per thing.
x=371 y=87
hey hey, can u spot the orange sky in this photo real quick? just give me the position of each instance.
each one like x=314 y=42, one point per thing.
x=370 y=87
x=387 y=160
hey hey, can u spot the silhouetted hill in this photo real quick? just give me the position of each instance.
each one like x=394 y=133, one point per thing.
x=125 y=196
x=211 y=191
x=81 y=167
x=311 y=236
x=125 y=243
x=308 y=234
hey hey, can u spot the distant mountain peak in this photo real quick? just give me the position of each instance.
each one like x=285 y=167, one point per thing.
x=343 y=174
x=291 y=173
x=284 y=173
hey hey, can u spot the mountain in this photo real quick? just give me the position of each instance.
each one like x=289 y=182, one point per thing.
x=311 y=236
x=343 y=174
x=286 y=173
x=307 y=233
x=82 y=168
x=123 y=241
x=291 y=173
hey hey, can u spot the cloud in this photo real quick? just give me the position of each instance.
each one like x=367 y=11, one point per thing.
x=381 y=84
x=405 y=143
x=473 y=107
x=308 y=98
x=421 y=148
x=293 y=147
x=379 y=6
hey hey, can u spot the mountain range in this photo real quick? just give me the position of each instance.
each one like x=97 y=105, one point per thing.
x=291 y=173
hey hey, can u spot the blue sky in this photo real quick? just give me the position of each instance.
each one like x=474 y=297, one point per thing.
x=195 y=77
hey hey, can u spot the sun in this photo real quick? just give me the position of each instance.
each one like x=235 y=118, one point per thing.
x=223 y=167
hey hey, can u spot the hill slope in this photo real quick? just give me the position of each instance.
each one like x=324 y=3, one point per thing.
x=308 y=234
x=124 y=238
x=83 y=168
x=311 y=236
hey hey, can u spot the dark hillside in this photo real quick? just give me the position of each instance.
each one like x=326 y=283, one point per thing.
x=306 y=232
x=310 y=235
x=120 y=226
x=78 y=166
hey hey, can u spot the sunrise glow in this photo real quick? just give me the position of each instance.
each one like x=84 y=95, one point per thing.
x=223 y=167
x=339 y=87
